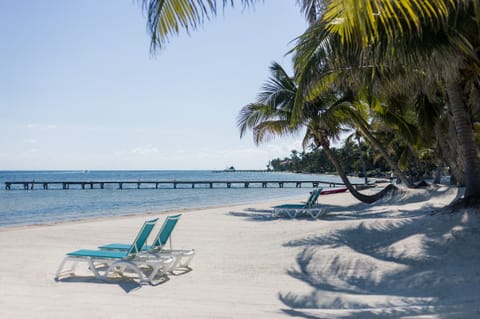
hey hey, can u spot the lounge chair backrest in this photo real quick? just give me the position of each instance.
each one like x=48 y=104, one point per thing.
x=165 y=231
x=309 y=200
x=313 y=197
x=142 y=237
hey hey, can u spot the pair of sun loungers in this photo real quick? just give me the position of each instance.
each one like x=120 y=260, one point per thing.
x=146 y=261
x=296 y=210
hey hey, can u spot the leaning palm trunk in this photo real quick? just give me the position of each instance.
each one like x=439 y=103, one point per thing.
x=361 y=197
x=438 y=172
x=456 y=155
x=377 y=145
x=463 y=125
x=449 y=153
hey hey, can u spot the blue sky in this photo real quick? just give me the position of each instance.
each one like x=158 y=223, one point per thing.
x=79 y=88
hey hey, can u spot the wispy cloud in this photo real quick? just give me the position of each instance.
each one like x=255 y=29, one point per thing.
x=37 y=126
x=145 y=150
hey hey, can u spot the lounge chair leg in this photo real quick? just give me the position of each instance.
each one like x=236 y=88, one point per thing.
x=187 y=258
x=160 y=267
x=59 y=270
x=93 y=269
x=123 y=265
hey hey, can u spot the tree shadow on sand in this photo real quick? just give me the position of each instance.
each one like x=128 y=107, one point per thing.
x=414 y=265
x=362 y=210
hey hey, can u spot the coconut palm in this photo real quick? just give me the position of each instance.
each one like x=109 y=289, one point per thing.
x=393 y=43
x=271 y=115
x=406 y=43
x=433 y=115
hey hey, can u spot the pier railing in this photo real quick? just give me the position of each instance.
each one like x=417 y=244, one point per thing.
x=30 y=185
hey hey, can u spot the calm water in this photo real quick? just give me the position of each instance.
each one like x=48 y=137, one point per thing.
x=26 y=207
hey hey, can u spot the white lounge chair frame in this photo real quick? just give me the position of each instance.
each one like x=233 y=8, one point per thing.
x=119 y=262
x=295 y=210
x=183 y=257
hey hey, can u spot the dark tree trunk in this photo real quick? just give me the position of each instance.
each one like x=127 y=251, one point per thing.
x=456 y=157
x=377 y=145
x=361 y=197
x=448 y=150
x=464 y=129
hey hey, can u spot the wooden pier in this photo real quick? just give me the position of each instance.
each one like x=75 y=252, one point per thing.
x=30 y=185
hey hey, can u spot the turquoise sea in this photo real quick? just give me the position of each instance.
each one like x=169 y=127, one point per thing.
x=37 y=206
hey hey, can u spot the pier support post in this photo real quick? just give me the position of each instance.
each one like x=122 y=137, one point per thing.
x=246 y=185
x=211 y=185
x=120 y=185
x=229 y=185
x=174 y=185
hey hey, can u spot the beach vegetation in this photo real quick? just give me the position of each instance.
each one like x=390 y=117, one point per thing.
x=324 y=120
x=405 y=47
x=415 y=64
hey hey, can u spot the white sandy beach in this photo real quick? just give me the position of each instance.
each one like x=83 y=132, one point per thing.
x=400 y=258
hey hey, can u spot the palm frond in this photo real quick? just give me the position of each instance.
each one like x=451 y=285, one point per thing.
x=253 y=114
x=169 y=17
x=279 y=90
x=364 y=20
x=267 y=130
x=311 y=9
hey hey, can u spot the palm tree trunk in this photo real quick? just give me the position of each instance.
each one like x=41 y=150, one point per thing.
x=463 y=125
x=456 y=155
x=448 y=152
x=361 y=197
x=376 y=144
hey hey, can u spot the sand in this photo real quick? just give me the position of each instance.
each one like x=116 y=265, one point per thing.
x=400 y=258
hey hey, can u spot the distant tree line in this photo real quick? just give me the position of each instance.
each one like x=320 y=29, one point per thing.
x=357 y=160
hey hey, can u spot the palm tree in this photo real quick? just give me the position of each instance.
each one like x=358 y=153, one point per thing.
x=392 y=43
x=432 y=113
x=319 y=68
x=271 y=116
x=404 y=42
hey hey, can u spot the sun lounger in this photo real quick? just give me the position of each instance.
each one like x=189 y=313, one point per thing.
x=120 y=261
x=296 y=210
x=182 y=257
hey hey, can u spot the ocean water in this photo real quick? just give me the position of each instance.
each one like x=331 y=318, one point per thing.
x=37 y=206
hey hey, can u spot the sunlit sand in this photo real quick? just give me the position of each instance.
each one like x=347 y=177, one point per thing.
x=400 y=258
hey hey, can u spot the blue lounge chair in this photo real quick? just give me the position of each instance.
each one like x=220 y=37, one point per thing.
x=295 y=210
x=157 y=249
x=120 y=261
